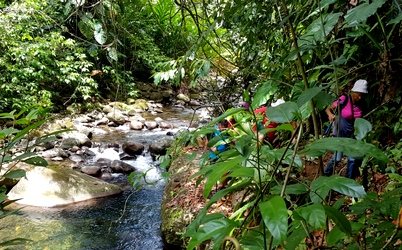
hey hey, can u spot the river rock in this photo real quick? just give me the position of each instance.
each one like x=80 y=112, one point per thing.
x=136 y=125
x=133 y=148
x=91 y=170
x=121 y=167
x=75 y=138
x=116 y=117
x=160 y=146
x=56 y=186
x=183 y=97
x=54 y=152
x=75 y=158
x=165 y=125
x=151 y=125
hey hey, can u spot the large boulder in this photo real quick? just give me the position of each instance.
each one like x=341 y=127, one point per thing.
x=56 y=186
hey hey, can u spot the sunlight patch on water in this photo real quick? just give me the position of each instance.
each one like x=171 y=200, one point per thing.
x=108 y=153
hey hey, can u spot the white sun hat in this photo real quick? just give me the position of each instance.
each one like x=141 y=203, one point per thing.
x=277 y=103
x=360 y=86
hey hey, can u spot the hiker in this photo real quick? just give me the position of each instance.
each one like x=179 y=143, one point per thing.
x=344 y=125
x=222 y=144
x=264 y=123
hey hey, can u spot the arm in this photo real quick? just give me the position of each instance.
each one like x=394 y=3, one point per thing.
x=329 y=112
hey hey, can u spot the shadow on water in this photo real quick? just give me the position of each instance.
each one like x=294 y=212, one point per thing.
x=130 y=220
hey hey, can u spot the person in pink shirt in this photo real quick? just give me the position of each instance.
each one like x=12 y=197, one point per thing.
x=348 y=106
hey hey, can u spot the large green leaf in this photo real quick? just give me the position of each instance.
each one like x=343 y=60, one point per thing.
x=323 y=99
x=350 y=147
x=319 y=189
x=291 y=189
x=395 y=20
x=314 y=215
x=319 y=29
x=282 y=113
x=86 y=28
x=339 y=219
x=275 y=216
x=15 y=174
x=359 y=14
x=263 y=94
x=214 y=172
x=362 y=127
x=307 y=95
x=99 y=33
x=216 y=229
x=334 y=236
x=346 y=186
x=112 y=52
x=37 y=161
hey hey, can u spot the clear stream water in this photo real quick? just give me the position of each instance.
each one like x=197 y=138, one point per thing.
x=128 y=221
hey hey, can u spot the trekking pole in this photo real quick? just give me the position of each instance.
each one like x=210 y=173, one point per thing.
x=328 y=128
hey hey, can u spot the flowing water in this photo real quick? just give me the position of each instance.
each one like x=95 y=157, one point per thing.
x=130 y=220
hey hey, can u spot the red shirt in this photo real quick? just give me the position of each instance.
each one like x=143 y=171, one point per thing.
x=266 y=123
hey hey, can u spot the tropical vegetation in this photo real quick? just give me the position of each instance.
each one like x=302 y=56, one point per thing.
x=55 y=53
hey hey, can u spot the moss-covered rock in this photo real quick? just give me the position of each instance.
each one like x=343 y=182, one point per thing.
x=56 y=186
x=176 y=216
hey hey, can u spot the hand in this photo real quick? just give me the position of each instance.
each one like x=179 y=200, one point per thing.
x=331 y=118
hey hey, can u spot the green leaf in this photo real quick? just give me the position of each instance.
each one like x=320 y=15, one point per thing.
x=3 y=197
x=346 y=186
x=395 y=20
x=314 y=215
x=334 y=236
x=37 y=161
x=323 y=99
x=7 y=131
x=86 y=28
x=6 y=158
x=275 y=216
x=112 y=52
x=319 y=189
x=296 y=237
x=242 y=172
x=263 y=94
x=307 y=95
x=362 y=127
x=350 y=147
x=15 y=174
x=339 y=219
x=296 y=189
x=214 y=172
x=319 y=29
x=99 y=34
x=217 y=229
x=359 y=14
x=282 y=113
x=24 y=156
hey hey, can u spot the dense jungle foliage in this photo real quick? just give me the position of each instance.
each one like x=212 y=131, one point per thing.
x=58 y=52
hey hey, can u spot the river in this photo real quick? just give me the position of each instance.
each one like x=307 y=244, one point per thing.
x=130 y=220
